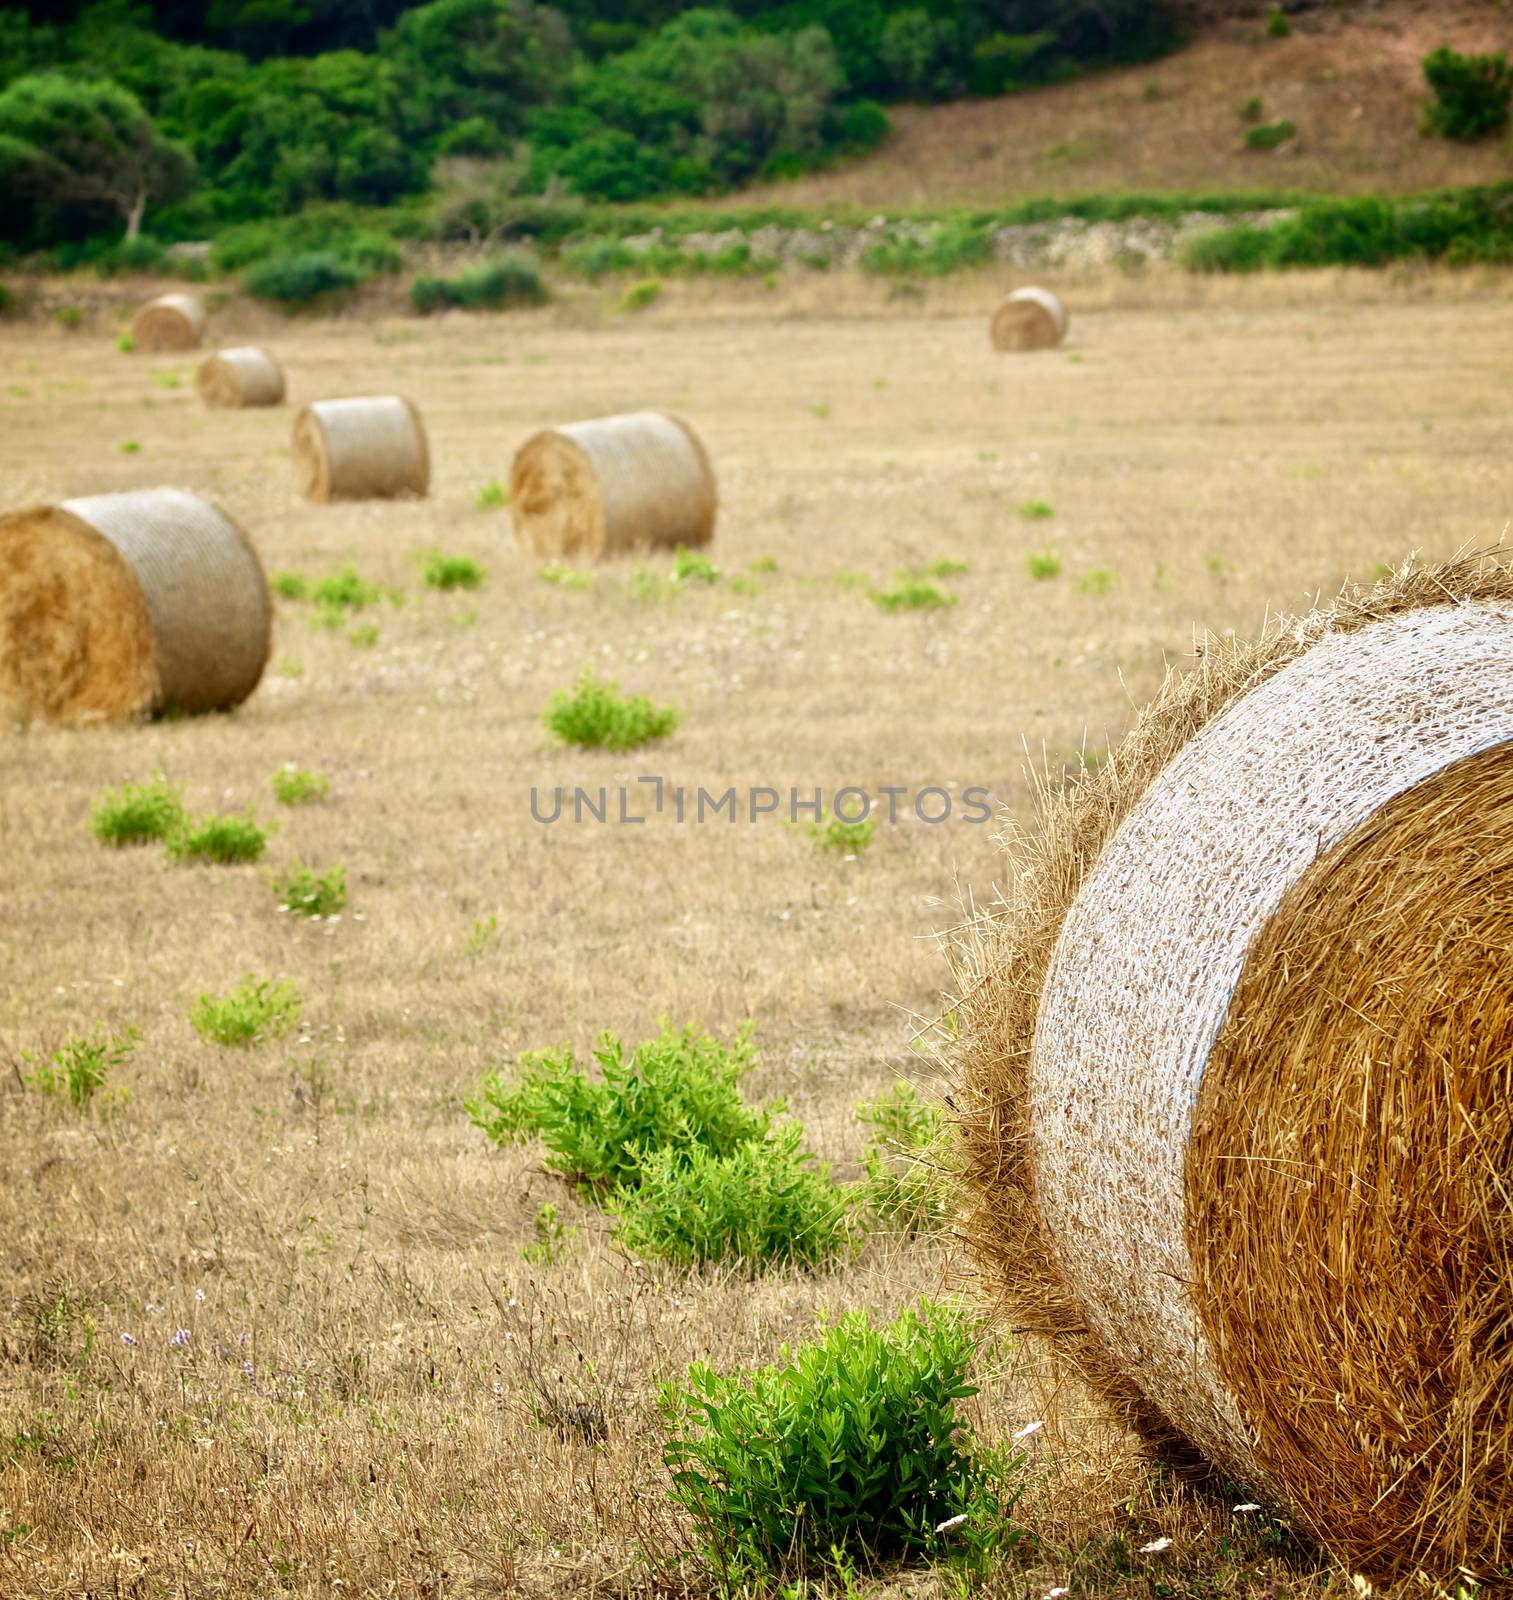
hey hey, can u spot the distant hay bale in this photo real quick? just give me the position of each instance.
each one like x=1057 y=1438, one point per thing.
x=1235 y=1062
x=121 y=605
x=1029 y=319
x=371 y=447
x=241 y=376
x=171 y=322
x=612 y=485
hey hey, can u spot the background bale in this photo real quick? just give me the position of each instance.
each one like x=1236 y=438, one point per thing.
x=241 y=376
x=367 y=447
x=171 y=322
x=1234 y=1062
x=1029 y=319
x=612 y=485
x=124 y=604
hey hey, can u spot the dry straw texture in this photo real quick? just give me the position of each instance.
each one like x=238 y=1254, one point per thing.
x=171 y=322
x=371 y=447
x=1092 y=996
x=125 y=604
x=1029 y=319
x=241 y=376
x=612 y=485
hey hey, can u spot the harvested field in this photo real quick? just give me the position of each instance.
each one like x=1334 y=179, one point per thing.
x=267 y=1324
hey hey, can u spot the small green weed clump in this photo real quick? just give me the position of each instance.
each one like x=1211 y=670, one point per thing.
x=693 y=566
x=1250 y=111
x=452 y=572
x=1035 y=510
x=640 y=295
x=137 y=813
x=911 y=594
x=764 y=565
x=1042 y=565
x=346 y=590
x=255 y=1011
x=1277 y=25
x=843 y=837
x=596 y=716
x=849 y=1453
x=294 y=786
x=1096 y=580
x=79 y=1069
x=564 y=577
x=1268 y=135
x=311 y=894
x=492 y=496
x=290 y=585
x=945 y=567
x=903 y=1189
x=510 y=279
x=226 y=841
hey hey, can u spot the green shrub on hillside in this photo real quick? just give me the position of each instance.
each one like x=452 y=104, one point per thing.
x=1268 y=135
x=510 y=279
x=1472 y=94
x=297 y=280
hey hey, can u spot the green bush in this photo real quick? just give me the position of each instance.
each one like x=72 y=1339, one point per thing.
x=137 y=813
x=452 y=572
x=290 y=585
x=1472 y=94
x=311 y=894
x=1277 y=25
x=760 y=1205
x=850 y=1452
x=1268 y=135
x=845 y=838
x=345 y=590
x=298 y=280
x=678 y=1092
x=593 y=258
x=1035 y=510
x=596 y=716
x=293 y=786
x=80 y=1068
x=947 y=247
x=492 y=496
x=510 y=279
x=1251 y=110
x=249 y=1014
x=693 y=566
x=640 y=295
x=227 y=841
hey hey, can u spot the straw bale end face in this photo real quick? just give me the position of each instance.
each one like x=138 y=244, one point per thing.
x=124 y=605
x=241 y=376
x=171 y=322
x=1236 y=1070
x=1029 y=319
x=368 y=447
x=612 y=486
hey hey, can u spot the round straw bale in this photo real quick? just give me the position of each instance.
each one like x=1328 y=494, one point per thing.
x=1237 y=1120
x=124 y=604
x=370 y=447
x=1029 y=319
x=241 y=376
x=612 y=485
x=171 y=322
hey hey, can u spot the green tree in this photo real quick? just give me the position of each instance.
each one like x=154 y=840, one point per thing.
x=1472 y=94
x=67 y=144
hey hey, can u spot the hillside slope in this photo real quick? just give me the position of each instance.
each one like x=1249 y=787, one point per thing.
x=1348 y=78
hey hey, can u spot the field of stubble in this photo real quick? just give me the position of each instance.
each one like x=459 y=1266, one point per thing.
x=349 y=1412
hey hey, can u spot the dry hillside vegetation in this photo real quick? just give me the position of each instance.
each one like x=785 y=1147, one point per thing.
x=267 y=1325
x=1347 y=78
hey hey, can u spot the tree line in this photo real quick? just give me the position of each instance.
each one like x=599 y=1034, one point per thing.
x=204 y=116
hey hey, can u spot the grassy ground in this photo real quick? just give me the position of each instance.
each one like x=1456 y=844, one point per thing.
x=351 y=1410
x=1348 y=78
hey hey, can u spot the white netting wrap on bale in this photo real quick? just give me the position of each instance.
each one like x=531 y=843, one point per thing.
x=367 y=447
x=244 y=375
x=123 y=604
x=1029 y=319
x=611 y=486
x=170 y=322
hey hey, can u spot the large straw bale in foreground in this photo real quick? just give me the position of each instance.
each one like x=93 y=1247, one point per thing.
x=123 y=604
x=171 y=322
x=1029 y=319
x=612 y=485
x=241 y=376
x=1236 y=1071
x=370 y=447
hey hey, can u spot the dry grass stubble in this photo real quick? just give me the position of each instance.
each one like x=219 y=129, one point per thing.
x=324 y=1192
